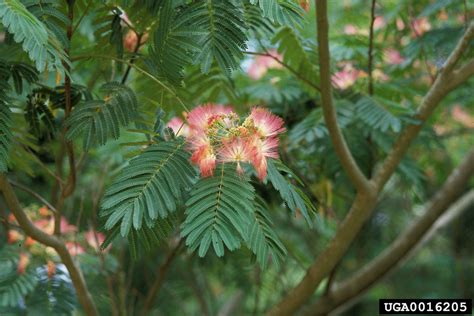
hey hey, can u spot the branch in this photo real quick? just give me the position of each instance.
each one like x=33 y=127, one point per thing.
x=446 y=81
x=133 y=58
x=31 y=230
x=36 y=195
x=365 y=200
x=371 y=47
x=291 y=69
x=413 y=237
x=342 y=150
x=161 y=273
x=70 y=185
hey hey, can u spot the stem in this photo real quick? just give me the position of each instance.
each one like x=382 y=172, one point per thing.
x=371 y=47
x=36 y=195
x=70 y=186
x=132 y=60
x=54 y=242
x=291 y=69
x=365 y=201
x=439 y=212
x=161 y=274
x=141 y=70
x=340 y=146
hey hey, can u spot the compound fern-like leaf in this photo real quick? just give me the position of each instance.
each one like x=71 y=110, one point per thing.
x=40 y=44
x=222 y=24
x=281 y=12
x=151 y=186
x=261 y=238
x=218 y=211
x=97 y=120
x=294 y=197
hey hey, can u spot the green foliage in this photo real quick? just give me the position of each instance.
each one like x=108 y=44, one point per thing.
x=218 y=211
x=294 y=197
x=375 y=115
x=5 y=135
x=49 y=12
x=175 y=41
x=37 y=111
x=296 y=53
x=53 y=295
x=13 y=285
x=224 y=39
x=261 y=237
x=97 y=120
x=151 y=186
x=18 y=73
x=199 y=87
x=256 y=22
x=40 y=43
x=281 y=12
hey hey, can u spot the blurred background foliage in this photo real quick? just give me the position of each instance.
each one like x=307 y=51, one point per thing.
x=274 y=65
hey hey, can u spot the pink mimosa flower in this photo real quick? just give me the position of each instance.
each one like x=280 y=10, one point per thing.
x=267 y=124
x=379 y=22
x=350 y=29
x=304 y=4
x=261 y=64
x=420 y=26
x=400 y=24
x=264 y=148
x=236 y=150
x=203 y=155
x=346 y=77
x=74 y=248
x=95 y=239
x=66 y=227
x=461 y=116
x=23 y=263
x=393 y=57
x=178 y=127
x=199 y=118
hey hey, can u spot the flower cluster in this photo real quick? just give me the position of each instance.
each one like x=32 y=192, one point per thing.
x=215 y=134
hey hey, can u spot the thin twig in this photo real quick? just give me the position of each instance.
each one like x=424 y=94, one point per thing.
x=343 y=152
x=134 y=57
x=70 y=186
x=54 y=242
x=141 y=70
x=291 y=69
x=371 y=47
x=161 y=274
x=82 y=16
x=36 y=195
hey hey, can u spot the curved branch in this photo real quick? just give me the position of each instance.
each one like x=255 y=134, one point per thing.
x=49 y=240
x=446 y=81
x=365 y=200
x=340 y=146
x=36 y=195
x=411 y=238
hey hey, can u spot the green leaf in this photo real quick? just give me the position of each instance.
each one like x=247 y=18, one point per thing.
x=14 y=286
x=376 y=116
x=5 y=135
x=174 y=43
x=42 y=47
x=97 y=120
x=281 y=12
x=297 y=54
x=218 y=211
x=222 y=24
x=151 y=186
x=294 y=198
x=261 y=238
